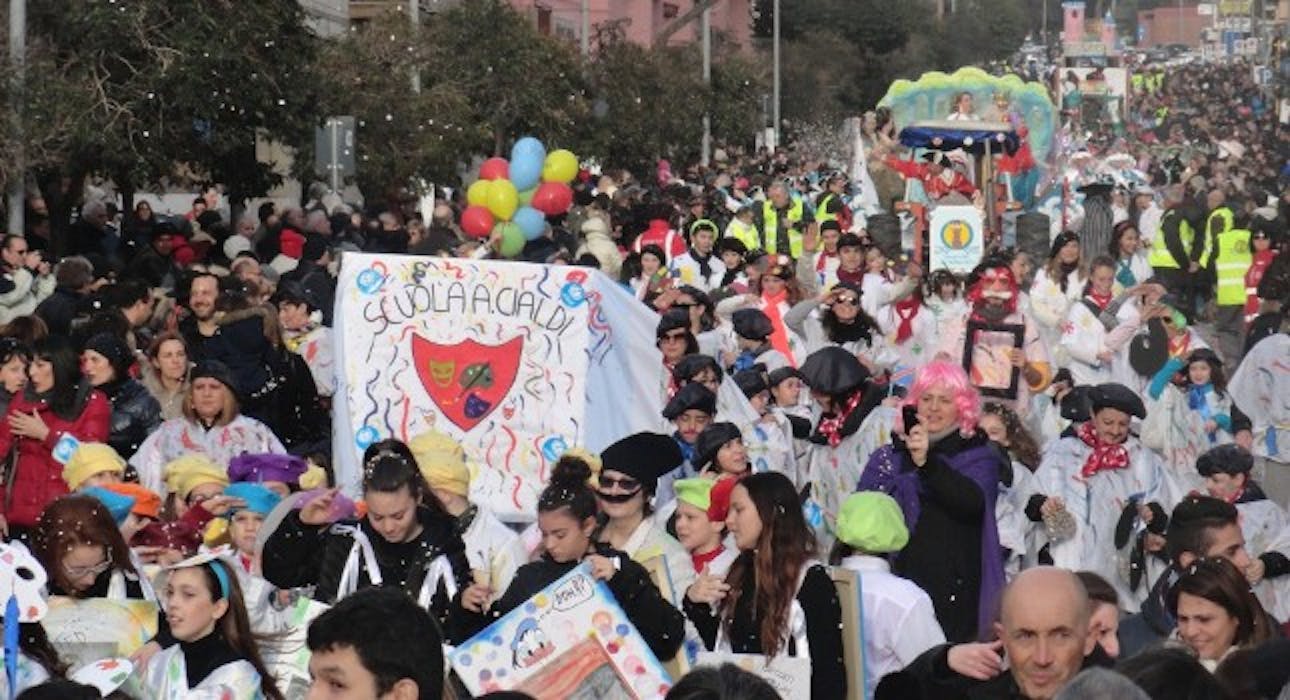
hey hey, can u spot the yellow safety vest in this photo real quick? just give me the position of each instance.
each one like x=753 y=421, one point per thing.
x=770 y=225
x=1160 y=256
x=1231 y=261
x=1218 y=221
x=744 y=233
x=822 y=212
x=1139 y=80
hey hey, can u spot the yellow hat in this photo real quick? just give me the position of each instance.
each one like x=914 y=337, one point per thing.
x=315 y=477
x=89 y=459
x=442 y=462
x=873 y=523
x=192 y=470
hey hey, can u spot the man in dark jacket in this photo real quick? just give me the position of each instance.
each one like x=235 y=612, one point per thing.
x=1200 y=526
x=1043 y=631
x=313 y=276
x=74 y=280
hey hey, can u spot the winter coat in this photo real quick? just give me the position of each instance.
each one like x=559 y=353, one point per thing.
x=60 y=309
x=240 y=343
x=28 y=291
x=39 y=478
x=135 y=415
x=298 y=555
x=660 y=625
x=597 y=241
x=931 y=678
x=953 y=551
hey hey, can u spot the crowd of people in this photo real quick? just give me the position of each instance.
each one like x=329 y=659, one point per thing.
x=1056 y=476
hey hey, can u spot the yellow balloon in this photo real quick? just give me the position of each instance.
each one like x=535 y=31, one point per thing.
x=477 y=193
x=560 y=166
x=503 y=199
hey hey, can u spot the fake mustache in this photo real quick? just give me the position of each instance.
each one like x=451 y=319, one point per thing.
x=617 y=497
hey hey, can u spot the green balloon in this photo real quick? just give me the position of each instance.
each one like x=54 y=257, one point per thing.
x=512 y=239
x=526 y=196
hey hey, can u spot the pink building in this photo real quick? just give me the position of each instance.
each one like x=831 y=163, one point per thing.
x=1170 y=24
x=643 y=19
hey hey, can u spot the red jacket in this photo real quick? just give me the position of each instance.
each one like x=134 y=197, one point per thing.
x=39 y=479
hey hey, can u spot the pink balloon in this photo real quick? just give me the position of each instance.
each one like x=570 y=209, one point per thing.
x=552 y=198
x=477 y=221
x=495 y=169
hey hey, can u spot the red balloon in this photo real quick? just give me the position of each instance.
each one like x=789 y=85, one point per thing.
x=495 y=169
x=477 y=222
x=552 y=198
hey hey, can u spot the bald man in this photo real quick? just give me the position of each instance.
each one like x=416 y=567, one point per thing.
x=1043 y=632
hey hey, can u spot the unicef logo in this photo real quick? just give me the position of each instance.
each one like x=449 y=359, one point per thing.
x=956 y=234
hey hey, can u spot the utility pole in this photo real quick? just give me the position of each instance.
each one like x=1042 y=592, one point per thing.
x=414 y=14
x=775 y=89
x=17 y=76
x=706 y=28
x=585 y=33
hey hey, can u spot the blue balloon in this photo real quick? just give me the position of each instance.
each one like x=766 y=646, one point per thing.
x=531 y=222
x=527 y=158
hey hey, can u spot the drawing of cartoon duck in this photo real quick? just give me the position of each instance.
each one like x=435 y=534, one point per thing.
x=530 y=645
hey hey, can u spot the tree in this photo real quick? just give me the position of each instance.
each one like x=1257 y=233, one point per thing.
x=400 y=135
x=178 y=90
x=516 y=80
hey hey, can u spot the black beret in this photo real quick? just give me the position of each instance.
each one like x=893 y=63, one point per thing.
x=779 y=375
x=690 y=366
x=711 y=440
x=691 y=396
x=672 y=320
x=644 y=457
x=834 y=371
x=752 y=324
x=751 y=382
x=1119 y=397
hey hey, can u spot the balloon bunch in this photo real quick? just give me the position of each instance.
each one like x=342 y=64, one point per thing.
x=512 y=199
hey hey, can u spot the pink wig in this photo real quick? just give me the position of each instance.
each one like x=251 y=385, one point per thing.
x=947 y=375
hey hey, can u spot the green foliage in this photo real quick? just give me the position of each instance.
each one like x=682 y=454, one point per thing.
x=181 y=89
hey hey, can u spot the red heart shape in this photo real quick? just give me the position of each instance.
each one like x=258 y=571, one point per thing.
x=508 y=411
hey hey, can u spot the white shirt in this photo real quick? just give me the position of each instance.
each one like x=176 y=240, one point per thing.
x=899 y=620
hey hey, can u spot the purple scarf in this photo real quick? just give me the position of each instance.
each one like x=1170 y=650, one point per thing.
x=887 y=473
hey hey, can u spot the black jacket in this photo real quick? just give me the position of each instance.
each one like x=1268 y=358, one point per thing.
x=60 y=309
x=660 y=625
x=930 y=677
x=819 y=600
x=320 y=285
x=135 y=415
x=298 y=555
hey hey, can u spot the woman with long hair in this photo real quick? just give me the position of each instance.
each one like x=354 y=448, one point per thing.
x=1004 y=427
x=106 y=360
x=945 y=475
x=567 y=521
x=778 y=600
x=1216 y=611
x=57 y=408
x=1131 y=266
x=406 y=539
x=212 y=423
x=1057 y=285
x=165 y=374
x=14 y=360
x=216 y=654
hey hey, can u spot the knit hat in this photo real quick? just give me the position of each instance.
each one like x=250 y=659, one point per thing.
x=146 y=503
x=258 y=499
x=872 y=522
x=712 y=497
x=752 y=324
x=214 y=369
x=192 y=470
x=117 y=504
x=259 y=468
x=115 y=350
x=89 y=459
x=442 y=462
x=691 y=396
x=644 y=457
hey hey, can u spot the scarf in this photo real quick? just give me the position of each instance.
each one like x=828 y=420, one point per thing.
x=1196 y=401
x=778 y=337
x=705 y=264
x=822 y=262
x=702 y=560
x=747 y=359
x=688 y=451
x=856 y=277
x=1104 y=455
x=906 y=309
x=1124 y=275
x=1100 y=300
x=831 y=428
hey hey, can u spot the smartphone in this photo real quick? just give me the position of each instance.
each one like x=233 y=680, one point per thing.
x=909 y=417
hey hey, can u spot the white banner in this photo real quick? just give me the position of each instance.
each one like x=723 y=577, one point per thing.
x=956 y=238
x=511 y=359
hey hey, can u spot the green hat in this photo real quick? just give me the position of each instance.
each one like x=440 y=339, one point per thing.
x=873 y=523
x=697 y=492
